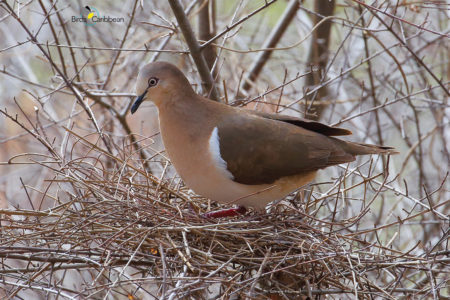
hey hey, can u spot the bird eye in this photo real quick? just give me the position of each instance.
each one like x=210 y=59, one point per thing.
x=152 y=81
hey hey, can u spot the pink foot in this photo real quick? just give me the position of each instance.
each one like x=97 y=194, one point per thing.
x=230 y=212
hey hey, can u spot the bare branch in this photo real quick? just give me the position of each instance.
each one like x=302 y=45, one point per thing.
x=195 y=49
x=206 y=19
x=272 y=40
x=318 y=53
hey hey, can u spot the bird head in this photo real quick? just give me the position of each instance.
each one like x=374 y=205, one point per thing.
x=159 y=82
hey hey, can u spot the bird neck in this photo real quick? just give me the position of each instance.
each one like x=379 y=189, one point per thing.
x=177 y=101
x=183 y=112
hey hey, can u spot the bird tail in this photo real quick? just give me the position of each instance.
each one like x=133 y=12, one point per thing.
x=361 y=149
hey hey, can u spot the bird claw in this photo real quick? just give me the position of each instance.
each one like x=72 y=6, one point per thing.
x=230 y=212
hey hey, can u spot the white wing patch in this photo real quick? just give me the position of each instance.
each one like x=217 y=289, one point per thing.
x=214 y=149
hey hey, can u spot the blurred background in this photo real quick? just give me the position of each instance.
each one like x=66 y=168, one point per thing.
x=379 y=69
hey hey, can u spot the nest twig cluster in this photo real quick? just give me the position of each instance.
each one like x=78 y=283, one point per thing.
x=117 y=231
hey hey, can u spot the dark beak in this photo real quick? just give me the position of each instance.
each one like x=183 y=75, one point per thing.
x=137 y=102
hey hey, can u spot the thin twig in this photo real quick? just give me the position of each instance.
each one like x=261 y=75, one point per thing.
x=195 y=50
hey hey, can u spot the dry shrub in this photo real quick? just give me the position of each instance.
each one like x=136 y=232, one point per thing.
x=90 y=207
x=115 y=231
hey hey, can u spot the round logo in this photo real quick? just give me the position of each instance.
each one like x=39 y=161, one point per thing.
x=90 y=14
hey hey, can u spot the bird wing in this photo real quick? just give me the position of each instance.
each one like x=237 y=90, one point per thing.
x=304 y=123
x=259 y=150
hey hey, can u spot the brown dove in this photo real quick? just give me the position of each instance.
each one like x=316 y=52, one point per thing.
x=238 y=156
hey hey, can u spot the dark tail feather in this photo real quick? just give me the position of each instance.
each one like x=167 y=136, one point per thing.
x=361 y=149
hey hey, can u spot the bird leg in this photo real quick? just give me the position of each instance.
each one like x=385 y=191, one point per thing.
x=229 y=212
